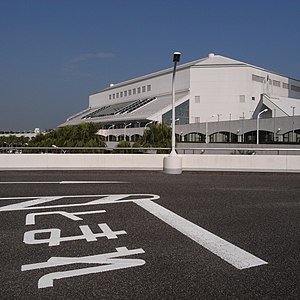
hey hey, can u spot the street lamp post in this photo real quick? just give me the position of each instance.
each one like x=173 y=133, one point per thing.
x=176 y=59
x=230 y=128
x=173 y=163
x=148 y=124
x=293 y=127
x=257 y=125
x=206 y=129
x=126 y=125
x=274 y=131
x=178 y=119
x=110 y=127
x=218 y=129
x=62 y=150
x=243 y=120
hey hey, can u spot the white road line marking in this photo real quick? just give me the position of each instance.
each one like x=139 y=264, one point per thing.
x=36 y=197
x=232 y=254
x=30 y=218
x=54 y=235
x=23 y=205
x=104 y=199
x=91 y=182
x=107 y=262
x=63 y=182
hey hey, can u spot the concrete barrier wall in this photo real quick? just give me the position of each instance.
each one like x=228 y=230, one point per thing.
x=257 y=163
x=81 y=161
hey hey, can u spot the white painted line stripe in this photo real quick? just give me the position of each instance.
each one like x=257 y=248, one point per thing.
x=23 y=205
x=102 y=199
x=91 y=182
x=29 y=182
x=30 y=218
x=62 y=196
x=62 y=182
x=232 y=254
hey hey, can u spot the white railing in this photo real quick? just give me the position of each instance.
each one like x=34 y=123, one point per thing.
x=136 y=150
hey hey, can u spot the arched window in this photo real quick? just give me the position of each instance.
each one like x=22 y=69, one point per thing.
x=194 y=137
x=135 y=137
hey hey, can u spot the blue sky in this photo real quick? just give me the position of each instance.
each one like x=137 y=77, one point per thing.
x=54 y=54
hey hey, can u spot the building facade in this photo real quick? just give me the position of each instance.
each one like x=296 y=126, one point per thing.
x=215 y=89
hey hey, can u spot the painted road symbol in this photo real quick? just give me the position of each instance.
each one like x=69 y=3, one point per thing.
x=55 y=235
x=230 y=253
x=108 y=262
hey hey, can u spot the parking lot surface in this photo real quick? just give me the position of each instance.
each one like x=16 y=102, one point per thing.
x=148 y=235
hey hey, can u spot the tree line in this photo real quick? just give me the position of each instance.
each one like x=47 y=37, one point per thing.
x=82 y=135
x=85 y=135
x=155 y=136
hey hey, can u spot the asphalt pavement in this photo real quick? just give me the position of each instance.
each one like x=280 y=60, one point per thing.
x=148 y=235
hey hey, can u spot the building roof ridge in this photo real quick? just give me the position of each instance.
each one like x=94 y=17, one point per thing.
x=197 y=62
x=152 y=74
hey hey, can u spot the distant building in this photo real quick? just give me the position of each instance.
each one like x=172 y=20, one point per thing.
x=29 y=134
x=212 y=89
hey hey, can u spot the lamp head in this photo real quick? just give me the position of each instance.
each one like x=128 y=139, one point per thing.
x=176 y=56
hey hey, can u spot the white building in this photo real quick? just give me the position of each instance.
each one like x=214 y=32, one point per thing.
x=215 y=88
